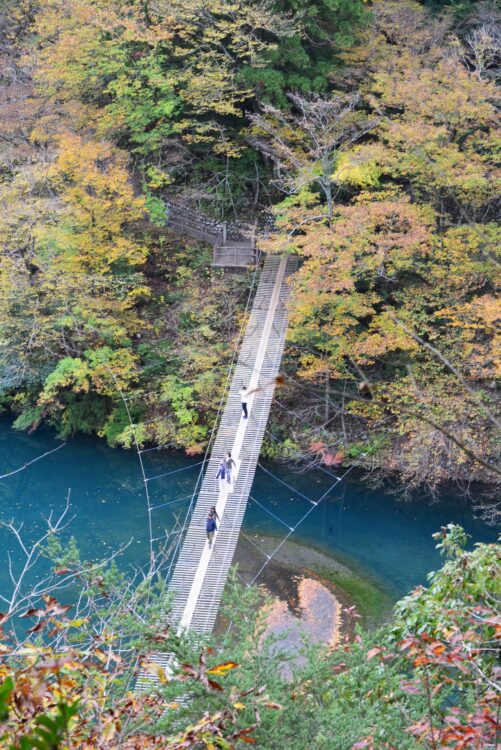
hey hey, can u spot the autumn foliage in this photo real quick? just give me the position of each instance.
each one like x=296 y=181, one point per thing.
x=429 y=678
x=372 y=131
x=394 y=311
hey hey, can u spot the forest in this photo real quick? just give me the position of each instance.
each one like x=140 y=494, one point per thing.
x=364 y=134
x=361 y=136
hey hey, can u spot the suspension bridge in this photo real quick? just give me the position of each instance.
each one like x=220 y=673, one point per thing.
x=201 y=570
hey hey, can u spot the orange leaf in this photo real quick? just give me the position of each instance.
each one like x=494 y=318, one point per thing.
x=222 y=668
x=420 y=660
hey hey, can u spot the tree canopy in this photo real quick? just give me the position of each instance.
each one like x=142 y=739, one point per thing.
x=372 y=131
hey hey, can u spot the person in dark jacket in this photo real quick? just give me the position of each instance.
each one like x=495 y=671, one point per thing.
x=211 y=525
x=221 y=474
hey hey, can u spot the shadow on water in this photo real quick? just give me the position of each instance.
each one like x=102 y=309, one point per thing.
x=367 y=529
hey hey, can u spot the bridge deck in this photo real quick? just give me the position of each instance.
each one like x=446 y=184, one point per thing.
x=200 y=572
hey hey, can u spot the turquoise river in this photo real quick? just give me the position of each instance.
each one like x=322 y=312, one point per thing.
x=373 y=531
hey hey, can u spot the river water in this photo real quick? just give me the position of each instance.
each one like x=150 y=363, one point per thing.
x=371 y=530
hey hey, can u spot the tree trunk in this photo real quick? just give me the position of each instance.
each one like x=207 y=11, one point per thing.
x=343 y=425
x=327 y=395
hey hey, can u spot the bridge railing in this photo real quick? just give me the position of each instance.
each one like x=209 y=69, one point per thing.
x=212 y=230
x=236 y=255
x=234 y=243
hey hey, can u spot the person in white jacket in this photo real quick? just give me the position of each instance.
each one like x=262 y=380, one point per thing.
x=244 y=392
x=228 y=465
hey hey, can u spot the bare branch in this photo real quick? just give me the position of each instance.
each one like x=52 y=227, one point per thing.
x=477 y=398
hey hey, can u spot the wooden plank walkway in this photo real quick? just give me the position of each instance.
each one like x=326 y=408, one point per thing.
x=200 y=573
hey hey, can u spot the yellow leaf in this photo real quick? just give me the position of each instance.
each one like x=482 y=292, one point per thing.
x=223 y=668
x=154 y=668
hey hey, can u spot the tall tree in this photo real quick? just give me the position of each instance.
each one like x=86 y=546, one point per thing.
x=304 y=144
x=408 y=258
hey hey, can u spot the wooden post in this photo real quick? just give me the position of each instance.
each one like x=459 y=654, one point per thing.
x=225 y=230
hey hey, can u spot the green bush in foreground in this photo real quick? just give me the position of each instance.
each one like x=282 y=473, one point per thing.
x=428 y=679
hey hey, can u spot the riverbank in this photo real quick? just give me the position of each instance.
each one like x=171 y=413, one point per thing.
x=315 y=597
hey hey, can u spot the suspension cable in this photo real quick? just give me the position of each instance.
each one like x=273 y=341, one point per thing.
x=286 y=484
x=175 y=471
x=286 y=537
x=253 y=500
x=220 y=408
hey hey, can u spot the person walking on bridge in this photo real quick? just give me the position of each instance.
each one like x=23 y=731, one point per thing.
x=243 y=393
x=228 y=465
x=211 y=525
x=221 y=474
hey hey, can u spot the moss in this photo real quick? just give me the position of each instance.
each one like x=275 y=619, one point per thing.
x=372 y=598
x=374 y=604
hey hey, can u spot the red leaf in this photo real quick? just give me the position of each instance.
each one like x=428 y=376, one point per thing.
x=372 y=653
x=34 y=613
x=62 y=571
x=38 y=627
x=329 y=459
x=410 y=688
x=316 y=447
x=215 y=685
